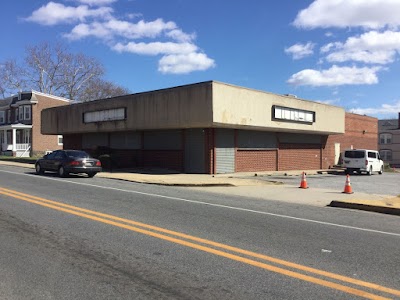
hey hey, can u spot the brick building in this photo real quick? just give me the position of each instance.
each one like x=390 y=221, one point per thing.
x=360 y=132
x=389 y=141
x=20 y=121
x=212 y=127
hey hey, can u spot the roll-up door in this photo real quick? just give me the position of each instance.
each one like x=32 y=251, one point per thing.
x=194 y=151
x=225 y=151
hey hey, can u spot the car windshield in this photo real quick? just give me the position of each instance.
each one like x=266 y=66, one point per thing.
x=77 y=154
x=354 y=154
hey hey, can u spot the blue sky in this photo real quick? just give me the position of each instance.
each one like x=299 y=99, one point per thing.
x=340 y=52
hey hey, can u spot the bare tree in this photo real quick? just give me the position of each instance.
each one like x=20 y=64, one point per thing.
x=101 y=89
x=11 y=77
x=44 y=64
x=78 y=72
x=55 y=70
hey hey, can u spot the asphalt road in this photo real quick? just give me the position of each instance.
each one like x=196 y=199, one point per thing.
x=81 y=238
x=385 y=184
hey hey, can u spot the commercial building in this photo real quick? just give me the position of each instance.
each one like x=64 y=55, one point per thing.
x=389 y=141
x=20 y=121
x=211 y=127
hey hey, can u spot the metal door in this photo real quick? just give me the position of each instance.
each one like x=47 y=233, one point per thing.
x=194 y=151
x=337 y=153
x=224 y=151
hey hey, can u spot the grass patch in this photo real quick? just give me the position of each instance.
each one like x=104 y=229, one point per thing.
x=25 y=160
x=387 y=168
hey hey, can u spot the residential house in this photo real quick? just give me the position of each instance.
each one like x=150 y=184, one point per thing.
x=389 y=141
x=20 y=124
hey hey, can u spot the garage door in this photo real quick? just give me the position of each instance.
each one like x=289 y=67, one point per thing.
x=224 y=151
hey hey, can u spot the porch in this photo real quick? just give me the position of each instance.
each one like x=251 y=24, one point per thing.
x=15 y=140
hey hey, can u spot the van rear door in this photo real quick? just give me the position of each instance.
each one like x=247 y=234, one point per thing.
x=354 y=159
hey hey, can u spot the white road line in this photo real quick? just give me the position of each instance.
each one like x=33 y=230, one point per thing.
x=210 y=204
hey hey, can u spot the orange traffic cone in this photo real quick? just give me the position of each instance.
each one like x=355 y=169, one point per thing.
x=303 y=183
x=347 y=186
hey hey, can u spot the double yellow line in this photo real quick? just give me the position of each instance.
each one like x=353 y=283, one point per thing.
x=316 y=276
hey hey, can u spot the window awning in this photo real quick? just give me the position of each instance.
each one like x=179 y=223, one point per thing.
x=15 y=126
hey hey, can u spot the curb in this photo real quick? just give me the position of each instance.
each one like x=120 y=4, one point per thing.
x=172 y=184
x=366 y=207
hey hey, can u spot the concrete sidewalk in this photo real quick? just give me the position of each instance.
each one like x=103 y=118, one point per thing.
x=235 y=184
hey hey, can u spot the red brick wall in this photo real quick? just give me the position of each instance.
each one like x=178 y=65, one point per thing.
x=360 y=132
x=41 y=142
x=299 y=157
x=168 y=159
x=255 y=160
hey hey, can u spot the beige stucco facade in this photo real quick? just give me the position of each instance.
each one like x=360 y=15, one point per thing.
x=203 y=105
x=180 y=107
x=238 y=107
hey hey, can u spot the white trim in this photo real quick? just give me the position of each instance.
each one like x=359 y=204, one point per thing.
x=32 y=100
x=49 y=95
x=24 y=102
x=27 y=111
x=58 y=140
x=20 y=113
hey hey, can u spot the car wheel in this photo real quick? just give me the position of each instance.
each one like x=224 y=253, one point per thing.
x=381 y=171
x=39 y=169
x=370 y=171
x=91 y=174
x=61 y=172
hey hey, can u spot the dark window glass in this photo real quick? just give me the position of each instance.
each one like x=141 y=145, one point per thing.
x=372 y=154
x=52 y=155
x=354 y=154
x=60 y=155
x=77 y=154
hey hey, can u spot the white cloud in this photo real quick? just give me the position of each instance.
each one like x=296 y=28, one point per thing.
x=384 y=109
x=330 y=101
x=56 y=13
x=179 y=53
x=371 y=47
x=373 y=14
x=96 y=2
x=156 y=48
x=335 y=76
x=185 y=63
x=180 y=36
x=113 y=27
x=133 y=15
x=299 y=51
x=328 y=47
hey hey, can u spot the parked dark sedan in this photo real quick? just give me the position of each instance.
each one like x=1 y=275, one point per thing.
x=65 y=162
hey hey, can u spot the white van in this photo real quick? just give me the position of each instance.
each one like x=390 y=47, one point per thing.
x=361 y=160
